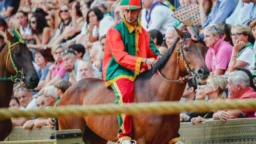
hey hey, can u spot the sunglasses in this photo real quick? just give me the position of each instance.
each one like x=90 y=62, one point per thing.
x=62 y=11
x=69 y=51
x=60 y=52
x=32 y=22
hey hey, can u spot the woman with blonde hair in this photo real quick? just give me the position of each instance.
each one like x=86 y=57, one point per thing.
x=215 y=90
x=242 y=54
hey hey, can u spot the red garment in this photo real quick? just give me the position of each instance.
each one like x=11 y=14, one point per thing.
x=124 y=91
x=250 y=93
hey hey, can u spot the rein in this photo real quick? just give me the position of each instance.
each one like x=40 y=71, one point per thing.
x=13 y=78
x=179 y=53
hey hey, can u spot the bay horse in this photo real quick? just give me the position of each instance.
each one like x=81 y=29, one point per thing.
x=15 y=65
x=165 y=82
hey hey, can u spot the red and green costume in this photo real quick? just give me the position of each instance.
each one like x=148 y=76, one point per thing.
x=124 y=50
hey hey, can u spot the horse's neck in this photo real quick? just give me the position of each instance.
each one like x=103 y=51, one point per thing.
x=5 y=86
x=164 y=90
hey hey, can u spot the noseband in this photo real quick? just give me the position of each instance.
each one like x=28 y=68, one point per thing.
x=13 y=78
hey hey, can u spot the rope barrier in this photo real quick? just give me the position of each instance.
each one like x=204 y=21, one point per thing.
x=132 y=109
x=30 y=142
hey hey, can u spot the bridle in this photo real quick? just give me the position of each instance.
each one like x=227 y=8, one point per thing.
x=19 y=76
x=180 y=53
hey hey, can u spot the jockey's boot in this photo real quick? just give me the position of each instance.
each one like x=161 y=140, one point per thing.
x=128 y=142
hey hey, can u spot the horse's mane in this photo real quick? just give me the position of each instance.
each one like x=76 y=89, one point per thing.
x=160 y=63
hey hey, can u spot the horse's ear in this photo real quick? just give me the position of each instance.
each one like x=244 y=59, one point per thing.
x=9 y=35
x=180 y=33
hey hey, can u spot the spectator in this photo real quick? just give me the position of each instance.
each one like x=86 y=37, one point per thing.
x=156 y=15
x=220 y=11
x=96 y=55
x=243 y=14
x=253 y=64
x=190 y=91
x=93 y=19
x=15 y=104
x=170 y=37
x=50 y=93
x=79 y=50
x=44 y=59
x=242 y=54
x=215 y=90
x=9 y=8
x=158 y=40
x=226 y=32
x=239 y=88
x=42 y=33
x=71 y=63
x=106 y=22
x=218 y=56
x=85 y=70
x=24 y=96
x=24 y=27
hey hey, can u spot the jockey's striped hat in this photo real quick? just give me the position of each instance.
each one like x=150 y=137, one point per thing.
x=131 y=4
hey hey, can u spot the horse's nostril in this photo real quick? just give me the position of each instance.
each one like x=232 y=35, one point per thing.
x=200 y=71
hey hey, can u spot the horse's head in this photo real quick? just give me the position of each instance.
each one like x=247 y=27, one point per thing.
x=18 y=60
x=192 y=52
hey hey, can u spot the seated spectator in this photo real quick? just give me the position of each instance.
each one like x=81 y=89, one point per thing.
x=61 y=87
x=107 y=21
x=24 y=27
x=253 y=64
x=71 y=63
x=170 y=37
x=74 y=29
x=219 y=12
x=215 y=90
x=219 y=53
x=93 y=19
x=242 y=53
x=85 y=70
x=79 y=50
x=56 y=71
x=238 y=88
x=158 y=40
x=44 y=59
x=24 y=96
x=15 y=104
x=243 y=14
x=226 y=32
x=9 y=8
x=190 y=91
x=66 y=21
x=96 y=55
x=42 y=33
x=156 y=15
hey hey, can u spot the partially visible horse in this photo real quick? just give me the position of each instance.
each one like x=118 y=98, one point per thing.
x=15 y=64
x=165 y=82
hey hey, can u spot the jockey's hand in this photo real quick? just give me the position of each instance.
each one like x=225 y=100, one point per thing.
x=150 y=61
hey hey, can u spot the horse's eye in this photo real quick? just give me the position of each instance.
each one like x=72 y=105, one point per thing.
x=17 y=54
x=186 y=49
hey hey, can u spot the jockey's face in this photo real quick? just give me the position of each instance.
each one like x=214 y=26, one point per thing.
x=131 y=16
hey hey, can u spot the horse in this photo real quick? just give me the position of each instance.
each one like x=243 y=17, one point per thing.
x=15 y=65
x=164 y=82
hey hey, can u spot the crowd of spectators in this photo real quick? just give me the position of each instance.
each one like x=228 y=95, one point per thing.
x=66 y=39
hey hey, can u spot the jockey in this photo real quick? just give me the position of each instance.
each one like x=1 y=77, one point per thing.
x=128 y=52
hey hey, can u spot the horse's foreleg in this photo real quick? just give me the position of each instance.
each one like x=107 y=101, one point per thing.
x=5 y=129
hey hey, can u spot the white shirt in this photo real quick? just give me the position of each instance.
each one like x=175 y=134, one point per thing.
x=247 y=56
x=161 y=19
x=25 y=31
x=105 y=24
